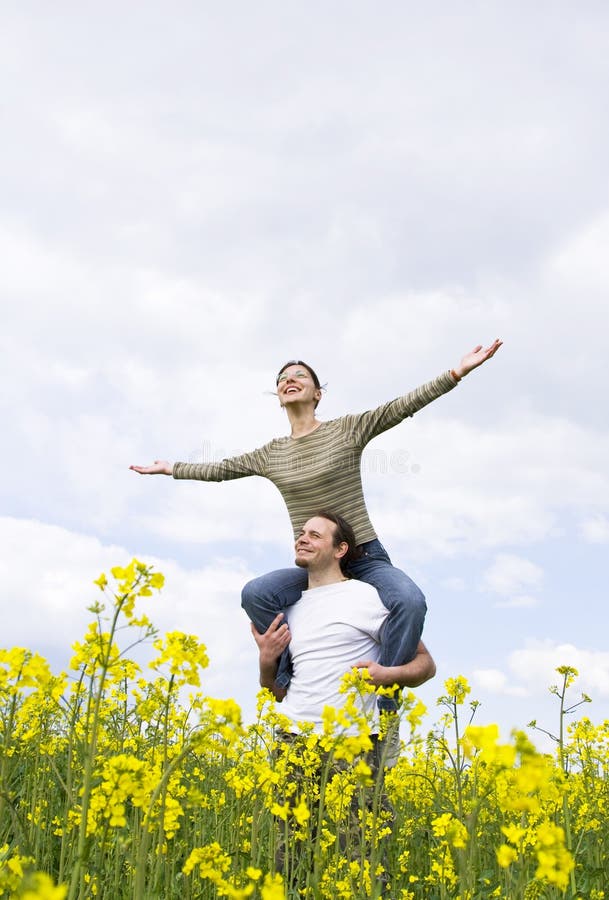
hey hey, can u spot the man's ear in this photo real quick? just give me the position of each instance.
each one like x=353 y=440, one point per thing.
x=341 y=550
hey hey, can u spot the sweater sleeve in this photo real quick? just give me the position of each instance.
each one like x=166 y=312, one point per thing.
x=254 y=463
x=374 y=422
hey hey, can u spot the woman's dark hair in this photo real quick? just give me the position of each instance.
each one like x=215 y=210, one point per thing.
x=343 y=533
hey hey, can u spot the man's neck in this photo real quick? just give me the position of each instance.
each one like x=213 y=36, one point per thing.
x=325 y=576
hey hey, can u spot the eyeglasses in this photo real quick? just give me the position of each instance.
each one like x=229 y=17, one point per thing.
x=284 y=376
x=305 y=372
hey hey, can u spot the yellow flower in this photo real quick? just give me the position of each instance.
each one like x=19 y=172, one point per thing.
x=301 y=812
x=102 y=581
x=570 y=673
x=362 y=772
x=358 y=680
x=184 y=654
x=228 y=710
x=480 y=737
x=457 y=688
x=555 y=863
x=14 y=865
x=506 y=856
x=416 y=711
x=211 y=861
x=117 y=815
x=513 y=833
x=43 y=888
x=273 y=888
x=482 y=740
x=450 y=828
x=280 y=810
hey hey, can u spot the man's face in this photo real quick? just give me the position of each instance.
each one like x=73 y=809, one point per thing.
x=315 y=544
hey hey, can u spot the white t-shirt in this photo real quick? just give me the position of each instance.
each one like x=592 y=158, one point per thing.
x=333 y=627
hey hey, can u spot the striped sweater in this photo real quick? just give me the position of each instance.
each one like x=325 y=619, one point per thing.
x=321 y=470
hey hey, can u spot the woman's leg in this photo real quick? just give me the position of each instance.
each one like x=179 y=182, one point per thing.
x=401 y=596
x=265 y=596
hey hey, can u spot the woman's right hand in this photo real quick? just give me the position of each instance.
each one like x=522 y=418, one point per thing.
x=159 y=467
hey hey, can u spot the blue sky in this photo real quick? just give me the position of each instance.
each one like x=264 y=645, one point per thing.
x=194 y=193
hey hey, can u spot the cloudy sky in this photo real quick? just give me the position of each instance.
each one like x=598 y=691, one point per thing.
x=193 y=193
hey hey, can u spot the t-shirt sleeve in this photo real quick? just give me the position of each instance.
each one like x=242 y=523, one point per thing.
x=254 y=463
x=377 y=622
x=368 y=610
x=365 y=426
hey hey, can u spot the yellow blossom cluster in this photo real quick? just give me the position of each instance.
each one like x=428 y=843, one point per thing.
x=113 y=785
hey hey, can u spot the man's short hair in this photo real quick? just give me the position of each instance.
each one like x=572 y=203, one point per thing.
x=343 y=534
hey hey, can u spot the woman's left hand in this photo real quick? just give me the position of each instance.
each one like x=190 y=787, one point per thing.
x=476 y=357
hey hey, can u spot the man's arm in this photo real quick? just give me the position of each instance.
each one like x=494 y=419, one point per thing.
x=412 y=674
x=271 y=645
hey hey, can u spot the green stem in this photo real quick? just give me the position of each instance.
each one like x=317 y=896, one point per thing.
x=82 y=848
x=563 y=766
x=161 y=825
x=139 y=891
x=458 y=763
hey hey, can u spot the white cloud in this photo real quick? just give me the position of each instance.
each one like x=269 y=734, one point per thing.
x=581 y=265
x=514 y=483
x=496 y=682
x=47 y=574
x=520 y=601
x=595 y=530
x=170 y=234
x=538 y=660
x=454 y=583
x=509 y=574
x=523 y=685
x=448 y=323
x=200 y=513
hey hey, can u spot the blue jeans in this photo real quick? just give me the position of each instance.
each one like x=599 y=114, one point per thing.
x=264 y=597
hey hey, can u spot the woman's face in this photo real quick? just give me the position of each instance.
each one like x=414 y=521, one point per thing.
x=295 y=385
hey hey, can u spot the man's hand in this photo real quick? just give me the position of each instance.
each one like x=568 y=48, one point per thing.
x=273 y=642
x=475 y=358
x=160 y=467
x=380 y=676
x=412 y=674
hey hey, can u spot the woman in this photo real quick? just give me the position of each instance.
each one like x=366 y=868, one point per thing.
x=317 y=466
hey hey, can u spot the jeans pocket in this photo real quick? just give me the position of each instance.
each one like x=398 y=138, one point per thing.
x=372 y=550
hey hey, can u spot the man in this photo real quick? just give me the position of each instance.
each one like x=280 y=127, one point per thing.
x=335 y=626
